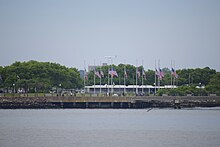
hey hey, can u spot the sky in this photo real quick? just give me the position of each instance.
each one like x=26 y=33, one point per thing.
x=74 y=32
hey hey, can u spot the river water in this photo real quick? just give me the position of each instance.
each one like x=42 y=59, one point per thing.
x=110 y=127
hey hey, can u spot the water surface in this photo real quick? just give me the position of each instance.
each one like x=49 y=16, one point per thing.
x=110 y=127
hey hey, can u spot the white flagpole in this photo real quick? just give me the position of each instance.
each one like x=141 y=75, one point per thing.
x=94 y=77
x=136 y=76
x=171 y=77
x=111 y=79
x=124 y=77
x=100 y=78
x=119 y=84
x=108 y=79
x=174 y=78
x=142 y=77
x=155 y=80
x=159 y=73
x=84 y=78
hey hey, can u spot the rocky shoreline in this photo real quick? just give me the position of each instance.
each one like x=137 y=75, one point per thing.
x=107 y=102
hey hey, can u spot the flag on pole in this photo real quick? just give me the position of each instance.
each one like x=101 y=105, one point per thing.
x=101 y=73
x=113 y=73
x=173 y=72
x=125 y=74
x=97 y=74
x=156 y=72
x=85 y=75
x=161 y=74
x=144 y=75
x=138 y=73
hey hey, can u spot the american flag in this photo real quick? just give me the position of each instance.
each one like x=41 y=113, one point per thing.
x=173 y=72
x=97 y=74
x=156 y=72
x=113 y=73
x=125 y=74
x=161 y=74
x=144 y=75
x=85 y=75
x=101 y=73
x=138 y=73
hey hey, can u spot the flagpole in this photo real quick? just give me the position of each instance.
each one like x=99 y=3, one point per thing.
x=100 y=78
x=108 y=58
x=136 y=76
x=171 y=77
x=94 y=77
x=142 y=77
x=124 y=76
x=155 y=78
x=174 y=69
x=111 y=79
x=159 y=75
x=119 y=84
x=84 y=78
x=108 y=80
x=100 y=85
x=133 y=82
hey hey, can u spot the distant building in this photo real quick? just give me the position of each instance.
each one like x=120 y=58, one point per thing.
x=82 y=73
x=92 y=67
x=104 y=64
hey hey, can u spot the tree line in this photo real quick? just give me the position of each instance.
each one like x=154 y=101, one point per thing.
x=39 y=76
x=191 y=78
x=185 y=76
x=44 y=76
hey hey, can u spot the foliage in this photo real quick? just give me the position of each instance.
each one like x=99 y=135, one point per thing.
x=183 y=91
x=214 y=84
x=185 y=76
x=43 y=76
x=39 y=75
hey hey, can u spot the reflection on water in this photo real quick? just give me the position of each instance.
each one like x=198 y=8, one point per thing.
x=98 y=127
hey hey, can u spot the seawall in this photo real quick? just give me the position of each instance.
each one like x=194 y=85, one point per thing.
x=108 y=102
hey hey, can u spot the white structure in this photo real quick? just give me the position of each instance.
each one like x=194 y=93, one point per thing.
x=130 y=88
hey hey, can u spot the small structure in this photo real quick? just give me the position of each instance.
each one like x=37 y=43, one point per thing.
x=177 y=104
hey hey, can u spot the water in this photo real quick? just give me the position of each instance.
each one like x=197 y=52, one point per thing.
x=98 y=127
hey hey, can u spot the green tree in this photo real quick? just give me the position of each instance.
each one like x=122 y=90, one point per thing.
x=40 y=75
x=214 y=84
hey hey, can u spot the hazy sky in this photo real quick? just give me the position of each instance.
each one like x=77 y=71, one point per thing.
x=71 y=31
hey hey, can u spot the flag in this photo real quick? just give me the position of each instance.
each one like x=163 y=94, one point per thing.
x=144 y=75
x=97 y=74
x=156 y=72
x=138 y=73
x=85 y=75
x=173 y=72
x=101 y=73
x=125 y=74
x=113 y=73
x=161 y=74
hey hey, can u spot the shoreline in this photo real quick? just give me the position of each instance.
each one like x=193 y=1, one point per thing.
x=57 y=102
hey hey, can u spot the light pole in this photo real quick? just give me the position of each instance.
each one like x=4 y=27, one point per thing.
x=154 y=89
x=200 y=89
x=60 y=89
x=109 y=58
x=13 y=89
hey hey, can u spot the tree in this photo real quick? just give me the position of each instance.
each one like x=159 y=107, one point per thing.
x=40 y=75
x=214 y=84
